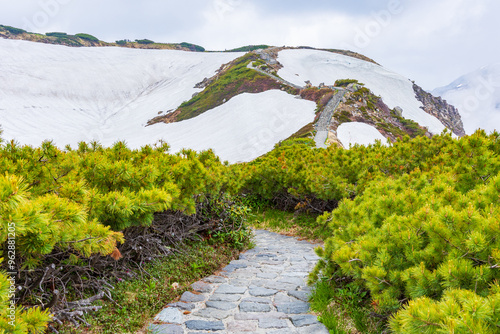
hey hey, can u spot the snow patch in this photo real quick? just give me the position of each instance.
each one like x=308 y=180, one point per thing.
x=477 y=99
x=322 y=66
x=68 y=95
x=352 y=133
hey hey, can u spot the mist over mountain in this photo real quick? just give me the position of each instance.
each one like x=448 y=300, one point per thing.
x=477 y=97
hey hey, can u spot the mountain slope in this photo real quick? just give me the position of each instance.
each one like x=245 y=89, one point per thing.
x=477 y=97
x=108 y=94
x=239 y=104
x=325 y=67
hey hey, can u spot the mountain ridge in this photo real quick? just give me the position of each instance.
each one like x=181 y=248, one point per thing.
x=70 y=94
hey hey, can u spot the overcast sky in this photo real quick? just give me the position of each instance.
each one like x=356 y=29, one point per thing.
x=430 y=41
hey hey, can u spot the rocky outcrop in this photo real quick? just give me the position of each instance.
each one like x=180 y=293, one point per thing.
x=361 y=105
x=439 y=108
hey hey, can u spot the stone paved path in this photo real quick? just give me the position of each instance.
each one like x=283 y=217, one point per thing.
x=325 y=118
x=264 y=291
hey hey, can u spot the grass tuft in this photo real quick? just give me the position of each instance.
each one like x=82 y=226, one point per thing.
x=137 y=301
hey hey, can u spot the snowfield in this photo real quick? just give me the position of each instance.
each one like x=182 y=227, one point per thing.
x=477 y=97
x=68 y=95
x=352 y=133
x=322 y=66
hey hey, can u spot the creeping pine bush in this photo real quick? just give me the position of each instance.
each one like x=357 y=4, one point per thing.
x=426 y=244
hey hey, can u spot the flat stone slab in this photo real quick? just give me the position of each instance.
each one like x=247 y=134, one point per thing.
x=293 y=308
x=272 y=323
x=215 y=279
x=231 y=289
x=302 y=320
x=165 y=329
x=262 y=292
x=190 y=297
x=183 y=306
x=170 y=315
x=201 y=325
x=211 y=312
x=254 y=307
x=225 y=306
x=242 y=326
x=225 y=298
x=302 y=295
x=201 y=287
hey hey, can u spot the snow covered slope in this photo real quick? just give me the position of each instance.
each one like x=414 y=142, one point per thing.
x=477 y=97
x=322 y=66
x=352 y=133
x=108 y=94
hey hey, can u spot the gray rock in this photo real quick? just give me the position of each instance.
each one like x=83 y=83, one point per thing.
x=281 y=298
x=170 y=315
x=225 y=306
x=231 y=289
x=267 y=275
x=302 y=295
x=215 y=279
x=293 y=280
x=201 y=325
x=284 y=331
x=211 y=312
x=224 y=298
x=257 y=300
x=190 y=297
x=238 y=326
x=254 y=307
x=304 y=320
x=262 y=292
x=258 y=316
x=182 y=306
x=316 y=329
x=293 y=308
x=272 y=323
x=165 y=329
x=201 y=287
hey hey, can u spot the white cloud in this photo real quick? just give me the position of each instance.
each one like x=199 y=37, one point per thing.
x=430 y=41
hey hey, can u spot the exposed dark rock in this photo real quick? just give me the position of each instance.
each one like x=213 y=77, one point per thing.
x=439 y=108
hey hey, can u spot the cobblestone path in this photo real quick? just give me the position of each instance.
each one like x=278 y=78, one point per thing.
x=325 y=118
x=264 y=291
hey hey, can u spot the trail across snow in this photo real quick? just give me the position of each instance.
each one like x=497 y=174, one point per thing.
x=68 y=95
x=327 y=67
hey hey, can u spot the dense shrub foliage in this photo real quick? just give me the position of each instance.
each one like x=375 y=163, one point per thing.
x=88 y=37
x=80 y=200
x=12 y=30
x=192 y=47
x=249 y=48
x=144 y=41
x=417 y=223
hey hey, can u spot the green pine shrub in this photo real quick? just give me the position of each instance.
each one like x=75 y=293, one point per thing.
x=88 y=37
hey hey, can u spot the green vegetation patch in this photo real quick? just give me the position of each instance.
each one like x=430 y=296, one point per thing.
x=300 y=224
x=233 y=81
x=345 y=82
x=137 y=301
x=192 y=47
x=249 y=48
x=87 y=37
x=144 y=41
x=12 y=30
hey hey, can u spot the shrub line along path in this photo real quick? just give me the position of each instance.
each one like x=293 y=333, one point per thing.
x=263 y=292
